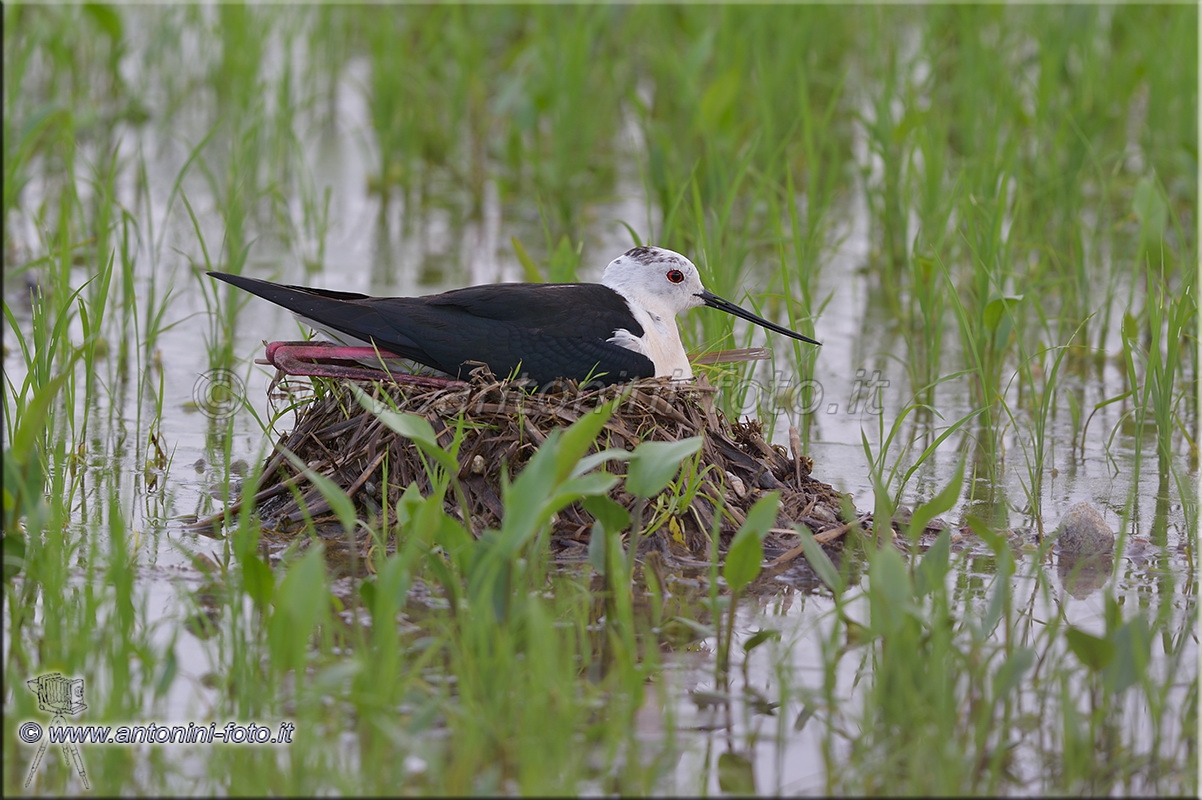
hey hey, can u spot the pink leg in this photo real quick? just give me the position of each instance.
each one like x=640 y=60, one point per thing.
x=312 y=359
x=273 y=346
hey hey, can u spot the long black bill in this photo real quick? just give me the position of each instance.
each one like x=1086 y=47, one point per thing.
x=714 y=301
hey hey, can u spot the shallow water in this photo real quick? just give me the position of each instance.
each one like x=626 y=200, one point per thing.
x=381 y=247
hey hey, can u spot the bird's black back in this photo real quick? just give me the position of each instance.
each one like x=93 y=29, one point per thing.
x=540 y=331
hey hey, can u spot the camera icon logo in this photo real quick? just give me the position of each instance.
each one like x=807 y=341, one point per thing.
x=60 y=697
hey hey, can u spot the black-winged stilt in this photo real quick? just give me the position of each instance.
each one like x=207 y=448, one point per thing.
x=617 y=330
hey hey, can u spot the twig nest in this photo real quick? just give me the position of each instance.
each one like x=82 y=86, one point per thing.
x=501 y=427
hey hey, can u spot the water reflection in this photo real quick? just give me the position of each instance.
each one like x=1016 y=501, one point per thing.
x=1082 y=574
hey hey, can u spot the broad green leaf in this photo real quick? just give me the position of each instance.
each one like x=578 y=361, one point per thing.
x=889 y=591
x=529 y=490
x=539 y=490
x=409 y=425
x=744 y=560
x=299 y=605
x=1095 y=653
x=654 y=464
x=258 y=581
x=995 y=310
x=762 y=516
x=1132 y=642
x=612 y=515
x=736 y=776
x=551 y=480
x=407 y=506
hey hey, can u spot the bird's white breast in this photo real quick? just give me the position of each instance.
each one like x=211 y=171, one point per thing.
x=660 y=342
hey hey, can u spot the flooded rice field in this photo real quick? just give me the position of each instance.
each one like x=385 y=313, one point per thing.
x=1005 y=292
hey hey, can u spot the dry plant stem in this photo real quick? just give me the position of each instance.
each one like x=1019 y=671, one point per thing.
x=732 y=356
x=825 y=537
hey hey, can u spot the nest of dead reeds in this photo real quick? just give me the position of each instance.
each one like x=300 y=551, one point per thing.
x=503 y=425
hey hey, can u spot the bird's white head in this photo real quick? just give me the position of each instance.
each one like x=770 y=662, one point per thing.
x=663 y=282
x=656 y=278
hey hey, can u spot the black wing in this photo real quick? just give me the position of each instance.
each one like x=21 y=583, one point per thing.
x=543 y=332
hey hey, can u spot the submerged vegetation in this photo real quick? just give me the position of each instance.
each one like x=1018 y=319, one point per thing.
x=988 y=214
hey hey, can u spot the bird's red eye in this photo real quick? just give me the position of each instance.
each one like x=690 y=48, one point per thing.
x=675 y=275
